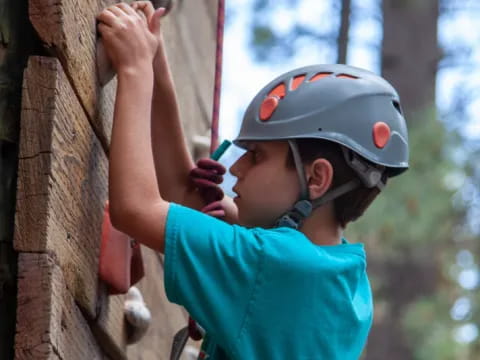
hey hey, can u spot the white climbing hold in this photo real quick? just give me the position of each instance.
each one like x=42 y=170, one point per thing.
x=137 y=314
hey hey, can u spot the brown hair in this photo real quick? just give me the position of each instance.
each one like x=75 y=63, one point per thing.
x=351 y=205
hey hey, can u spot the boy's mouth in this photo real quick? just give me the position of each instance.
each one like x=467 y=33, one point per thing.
x=234 y=189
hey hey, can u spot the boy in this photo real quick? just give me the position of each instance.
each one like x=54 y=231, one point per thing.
x=321 y=141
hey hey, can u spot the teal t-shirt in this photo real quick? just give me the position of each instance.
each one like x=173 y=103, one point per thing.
x=267 y=293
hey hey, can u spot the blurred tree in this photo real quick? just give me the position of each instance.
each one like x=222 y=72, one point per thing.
x=271 y=44
x=410 y=52
x=410 y=58
x=409 y=232
x=342 y=41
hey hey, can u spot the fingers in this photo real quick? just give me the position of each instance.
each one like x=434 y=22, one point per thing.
x=144 y=6
x=111 y=15
x=103 y=28
x=153 y=16
x=207 y=175
x=155 y=22
x=106 y=17
x=127 y=9
x=116 y=10
x=209 y=191
x=209 y=164
x=204 y=184
x=214 y=209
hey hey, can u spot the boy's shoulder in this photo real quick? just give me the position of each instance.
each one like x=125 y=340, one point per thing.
x=281 y=245
x=292 y=246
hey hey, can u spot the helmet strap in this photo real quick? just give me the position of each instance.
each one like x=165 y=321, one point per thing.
x=294 y=217
x=304 y=194
x=333 y=194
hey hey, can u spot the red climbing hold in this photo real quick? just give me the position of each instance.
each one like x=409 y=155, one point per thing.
x=381 y=134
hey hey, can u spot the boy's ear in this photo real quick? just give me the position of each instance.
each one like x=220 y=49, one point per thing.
x=320 y=177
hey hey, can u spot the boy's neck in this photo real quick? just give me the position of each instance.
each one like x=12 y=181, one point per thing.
x=321 y=228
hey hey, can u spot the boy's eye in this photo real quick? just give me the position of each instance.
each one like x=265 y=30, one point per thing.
x=254 y=155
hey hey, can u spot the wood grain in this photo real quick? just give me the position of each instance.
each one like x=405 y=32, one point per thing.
x=49 y=323
x=110 y=327
x=62 y=180
x=62 y=184
x=69 y=31
x=68 y=28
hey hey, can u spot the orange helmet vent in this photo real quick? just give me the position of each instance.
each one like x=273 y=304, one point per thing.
x=268 y=107
x=381 y=134
x=280 y=90
x=297 y=80
x=320 y=76
x=346 y=76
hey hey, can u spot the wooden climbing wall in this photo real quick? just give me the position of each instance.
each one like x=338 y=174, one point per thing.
x=63 y=309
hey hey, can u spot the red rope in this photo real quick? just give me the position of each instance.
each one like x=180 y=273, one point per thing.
x=218 y=75
x=193 y=330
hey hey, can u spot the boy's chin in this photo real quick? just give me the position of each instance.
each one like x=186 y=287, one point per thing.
x=249 y=222
x=245 y=220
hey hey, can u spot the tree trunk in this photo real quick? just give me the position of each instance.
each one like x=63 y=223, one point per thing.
x=410 y=51
x=342 y=41
x=409 y=61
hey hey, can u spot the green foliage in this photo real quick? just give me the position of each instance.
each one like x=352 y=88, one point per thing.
x=270 y=44
x=415 y=208
x=263 y=37
x=430 y=330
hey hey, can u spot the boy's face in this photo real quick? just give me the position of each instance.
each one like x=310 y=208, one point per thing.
x=265 y=188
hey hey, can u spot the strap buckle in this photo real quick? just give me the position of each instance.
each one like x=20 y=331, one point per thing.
x=370 y=175
x=294 y=217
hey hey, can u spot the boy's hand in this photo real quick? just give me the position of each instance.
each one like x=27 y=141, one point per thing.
x=206 y=177
x=128 y=40
x=153 y=18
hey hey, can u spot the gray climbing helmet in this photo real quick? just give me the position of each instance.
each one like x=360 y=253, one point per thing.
x=347 y=105
x=340 y=103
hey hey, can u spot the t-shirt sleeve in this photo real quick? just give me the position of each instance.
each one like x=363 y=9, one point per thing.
x=211 y=269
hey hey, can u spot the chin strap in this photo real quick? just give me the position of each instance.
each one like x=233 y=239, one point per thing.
x=369 y=175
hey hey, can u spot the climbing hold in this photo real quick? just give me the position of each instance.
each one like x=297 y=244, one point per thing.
x=120 y=261
x=137 y=315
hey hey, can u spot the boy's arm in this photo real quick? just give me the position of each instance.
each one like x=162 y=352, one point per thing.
x=136 y=206
x=173 y=162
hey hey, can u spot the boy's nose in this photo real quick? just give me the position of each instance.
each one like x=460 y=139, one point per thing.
x=235 y=169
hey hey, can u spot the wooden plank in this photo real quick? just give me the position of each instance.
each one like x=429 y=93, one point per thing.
x=192 y=73
x=68 y=28
x=49 y=324
x=110 y=326
x=197 y=32
x=167 y=318
x=62 y=180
